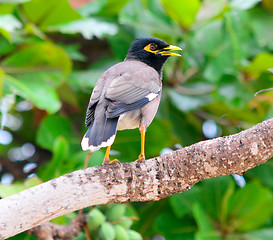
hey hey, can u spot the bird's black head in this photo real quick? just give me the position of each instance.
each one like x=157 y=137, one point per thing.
x=152 y=51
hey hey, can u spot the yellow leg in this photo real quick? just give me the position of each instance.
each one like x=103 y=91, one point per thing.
x=141 y=156
x=107 y=159
x=106 y=156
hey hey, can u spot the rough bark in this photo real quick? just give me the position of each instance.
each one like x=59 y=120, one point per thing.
x=152 y=180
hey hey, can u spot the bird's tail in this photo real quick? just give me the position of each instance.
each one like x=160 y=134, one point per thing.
x=101 y=133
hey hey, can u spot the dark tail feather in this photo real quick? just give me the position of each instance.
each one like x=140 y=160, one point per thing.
x=101 y=133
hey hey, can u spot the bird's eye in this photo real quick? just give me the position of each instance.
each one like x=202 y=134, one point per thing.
x=153 y=47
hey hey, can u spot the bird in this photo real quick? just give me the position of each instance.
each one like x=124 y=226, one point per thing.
x=127 y=95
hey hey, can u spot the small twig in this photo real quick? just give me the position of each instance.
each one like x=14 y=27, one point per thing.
x=188 y=74
x=124 y=219
x=86 y=231
x=178 y=76
x=50 y=231
x=263 y=90
x=221 y=121
x=86 y=160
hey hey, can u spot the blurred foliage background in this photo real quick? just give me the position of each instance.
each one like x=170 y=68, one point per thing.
x=51 y=55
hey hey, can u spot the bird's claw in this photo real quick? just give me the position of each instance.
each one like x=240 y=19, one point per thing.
x=107 y=161
x=141 y=158
x=115 y=161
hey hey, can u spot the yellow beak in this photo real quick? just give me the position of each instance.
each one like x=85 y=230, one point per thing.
x=165 y=51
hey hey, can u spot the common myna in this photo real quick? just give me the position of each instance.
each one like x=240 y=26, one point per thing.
x=127 y=95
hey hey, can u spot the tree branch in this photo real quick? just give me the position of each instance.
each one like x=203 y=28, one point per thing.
x=49 y=231
x=152 y=180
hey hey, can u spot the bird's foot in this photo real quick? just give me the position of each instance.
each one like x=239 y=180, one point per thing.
x=141 y=158
x=115 y=161
x=107 y=161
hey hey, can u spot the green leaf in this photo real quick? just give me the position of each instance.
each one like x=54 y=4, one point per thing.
x=261 y=234
x=109 y=8
x=73 y=51
x=44 y=56
x=260 y=64
x=89 y=28
x=120 y=43
x=225 y=199
x=76 y=161
x=247 y=207
x=36 y=77
x=263 y=172
x=182 y=203
x=2 y=77
x=85 y=80
x=39 y=92
x=157 y=9
x=187 y=103
x=6 y=8
x=92 y=8
x=243 y=5
x=8 y=25
x=214 y=193
x=206 y=229
x=209 y=37
x=5 y=34
x=31 y=182
x=14 y=1
x=183 y=125
x=6 y=46
x=50 y=12
x=113 y=7
x=53 y=127
x=173 y=228
x=67 y=95
x=239 y=36
x=182 y=11
x=210 y=9
x=233 y=92
x=222 y=62
x=136 y=15
x=262 y=25
x=55 y=167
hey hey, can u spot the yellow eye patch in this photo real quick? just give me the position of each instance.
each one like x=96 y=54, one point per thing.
x=151 y=47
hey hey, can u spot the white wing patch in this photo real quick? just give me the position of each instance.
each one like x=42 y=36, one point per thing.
x=152 y=96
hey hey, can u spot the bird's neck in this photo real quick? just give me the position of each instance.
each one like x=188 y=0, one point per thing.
x=155 y=63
